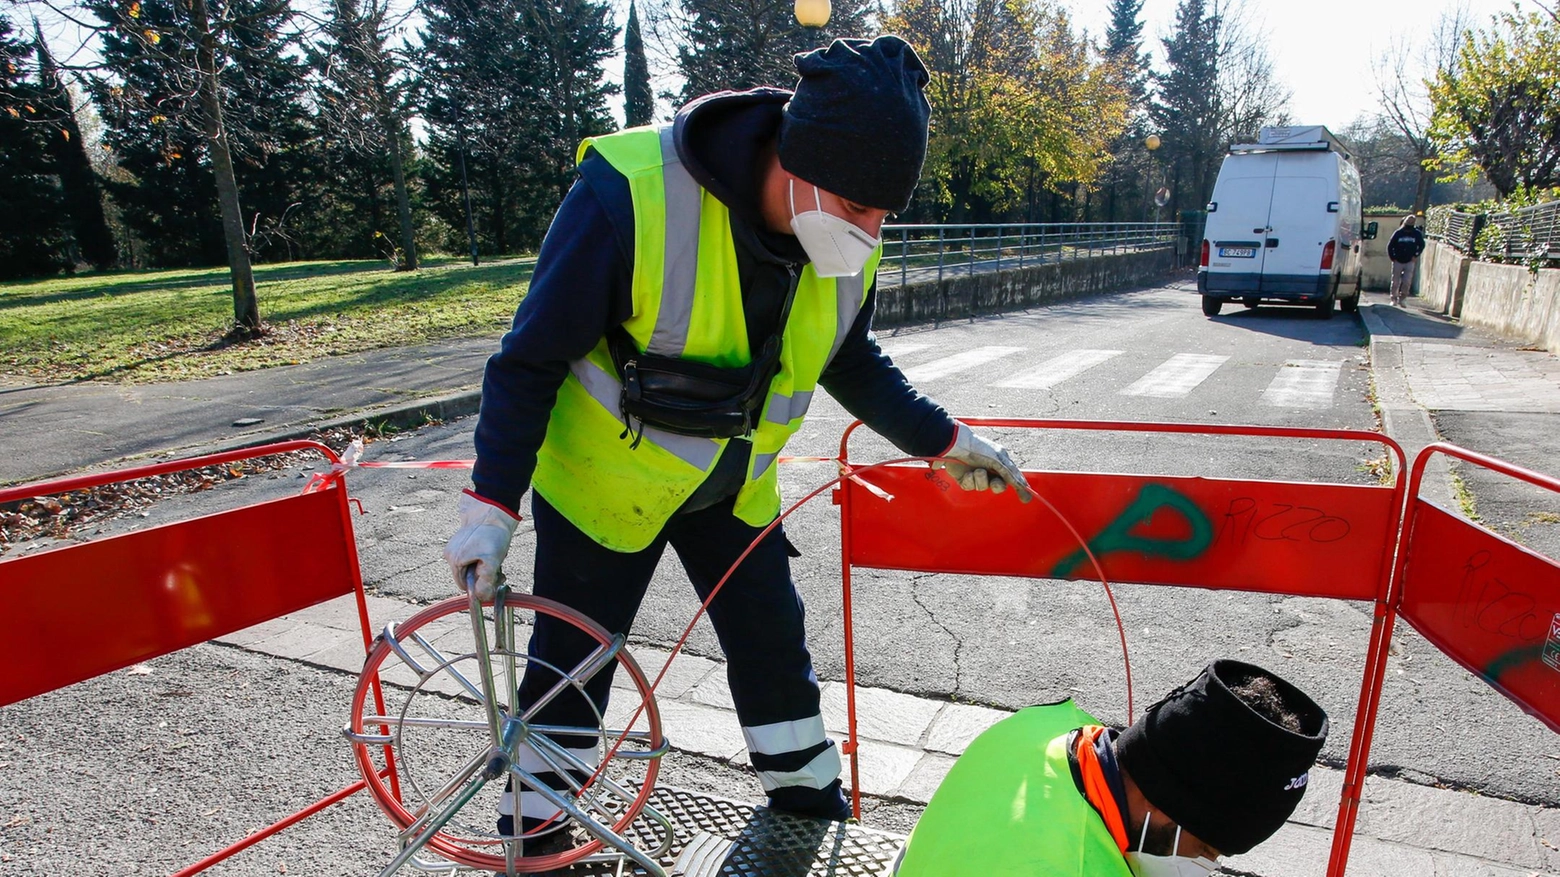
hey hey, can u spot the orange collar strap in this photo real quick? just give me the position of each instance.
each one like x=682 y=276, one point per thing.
x=1095 y=787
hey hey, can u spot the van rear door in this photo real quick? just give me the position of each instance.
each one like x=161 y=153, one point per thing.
x=1238 y=224
x=1300 y=225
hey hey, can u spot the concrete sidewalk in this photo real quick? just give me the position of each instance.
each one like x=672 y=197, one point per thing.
x=49 y=429
x=908 y=744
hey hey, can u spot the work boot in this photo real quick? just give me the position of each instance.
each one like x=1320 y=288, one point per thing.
x=554 y=842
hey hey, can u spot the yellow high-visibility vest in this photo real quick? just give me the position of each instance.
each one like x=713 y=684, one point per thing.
x=687 y=303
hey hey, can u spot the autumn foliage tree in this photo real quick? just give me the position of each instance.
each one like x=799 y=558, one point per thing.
x=1497 y=105
x=1019 y=102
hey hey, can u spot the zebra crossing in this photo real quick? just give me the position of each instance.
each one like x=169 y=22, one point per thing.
x=1297 y=383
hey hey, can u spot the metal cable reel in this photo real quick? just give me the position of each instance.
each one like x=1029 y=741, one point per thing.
x=439 y=740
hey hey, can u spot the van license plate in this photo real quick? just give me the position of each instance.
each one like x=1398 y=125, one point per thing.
x=1237 y=252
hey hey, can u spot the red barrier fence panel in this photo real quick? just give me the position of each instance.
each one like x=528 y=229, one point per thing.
x=1487 y=602
x=172 y=586
x=1297 y=538
x=1314 y=540
x=176 y=585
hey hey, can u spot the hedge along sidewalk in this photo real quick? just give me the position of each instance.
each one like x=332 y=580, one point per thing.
x=157 y=326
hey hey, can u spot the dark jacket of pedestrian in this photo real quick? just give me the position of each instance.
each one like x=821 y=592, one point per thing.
x=1407 y=242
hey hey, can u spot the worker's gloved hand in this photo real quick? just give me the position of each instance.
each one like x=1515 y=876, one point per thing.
x=481 y=541
x=980 y=464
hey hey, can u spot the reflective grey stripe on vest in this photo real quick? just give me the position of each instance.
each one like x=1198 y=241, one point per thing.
x=608 y=393
x=682 y=253
x=761 y=464
x=849 y=295
x=784 y=409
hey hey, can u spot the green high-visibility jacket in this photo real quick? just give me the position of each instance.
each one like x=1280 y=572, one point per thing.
x=1009 y=806
x=687 y=303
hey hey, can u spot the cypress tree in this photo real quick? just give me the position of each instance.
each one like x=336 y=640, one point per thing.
x=510 y=89
x=638 y=101
x=83 y=197
x=362 y=126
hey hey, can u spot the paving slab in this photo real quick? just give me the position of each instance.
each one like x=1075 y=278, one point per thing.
x=957 y=724
x=884 y=715
x=686 y=672
x=924 y=778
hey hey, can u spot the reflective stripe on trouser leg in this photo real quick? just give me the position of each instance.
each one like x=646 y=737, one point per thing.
x=801 y=742
x=532 y=804
x=759 y=619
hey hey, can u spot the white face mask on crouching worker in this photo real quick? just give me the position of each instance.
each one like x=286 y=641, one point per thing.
x=1144 y=865
x=836 y=246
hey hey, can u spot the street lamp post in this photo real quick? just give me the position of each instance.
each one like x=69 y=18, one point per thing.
x=1162 y=193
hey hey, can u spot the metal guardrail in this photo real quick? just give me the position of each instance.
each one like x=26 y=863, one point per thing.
x=1523 y=234
x=923 y=253
x=1526 y=234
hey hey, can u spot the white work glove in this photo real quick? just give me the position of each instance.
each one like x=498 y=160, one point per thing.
x=481 y=541
x=982 y=465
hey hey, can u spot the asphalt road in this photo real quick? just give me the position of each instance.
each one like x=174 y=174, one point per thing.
x=70 y=759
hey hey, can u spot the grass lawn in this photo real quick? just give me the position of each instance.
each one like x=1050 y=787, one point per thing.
x=143 y=326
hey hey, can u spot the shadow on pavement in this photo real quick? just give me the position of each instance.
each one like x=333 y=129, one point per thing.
x=1412 y=322
x=1296 y=323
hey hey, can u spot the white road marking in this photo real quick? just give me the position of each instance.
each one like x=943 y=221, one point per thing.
x=897 y=350
x=1176 y=376
x=948 y=365
x=1304 y=383
x=1057 y=369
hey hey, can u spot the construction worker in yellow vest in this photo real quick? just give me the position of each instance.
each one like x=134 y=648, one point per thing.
x=1213 y=769
x=699 y=284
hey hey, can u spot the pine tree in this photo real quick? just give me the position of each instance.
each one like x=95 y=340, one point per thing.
x=638 y=100
x=740 y=44
x=33 y=235
x=1187 y=110
x=1124 y=45
x=363 y=122
x=83 y=196
x=204 y=108
x=510 y=89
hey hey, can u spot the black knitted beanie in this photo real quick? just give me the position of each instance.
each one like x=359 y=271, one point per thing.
x=856 y=125
x=1216 y=765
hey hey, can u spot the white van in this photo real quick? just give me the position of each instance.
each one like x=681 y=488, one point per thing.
x=1284 y=224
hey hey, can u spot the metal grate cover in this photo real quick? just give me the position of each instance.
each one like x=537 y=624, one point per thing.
x=714 y=837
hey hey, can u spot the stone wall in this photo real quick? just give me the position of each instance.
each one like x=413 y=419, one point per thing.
x=959 y=296
x=1375 y=266
x=1441 y=276
x=1509 y=300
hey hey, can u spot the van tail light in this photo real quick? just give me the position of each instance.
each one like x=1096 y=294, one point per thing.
x=1327 y=255
x=1204 y=262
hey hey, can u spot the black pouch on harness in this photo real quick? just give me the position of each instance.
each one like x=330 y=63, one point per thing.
x=691 y=398
x=695 y=398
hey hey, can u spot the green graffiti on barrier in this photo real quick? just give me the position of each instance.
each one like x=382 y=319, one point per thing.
x=1118 y=536
x=1511 y=660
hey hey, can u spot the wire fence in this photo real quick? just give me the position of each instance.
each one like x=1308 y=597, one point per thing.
x=925 y=253
x=1529 y=235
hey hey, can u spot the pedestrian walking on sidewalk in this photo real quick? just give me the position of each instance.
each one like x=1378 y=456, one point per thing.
x=1404 y=249
x=698 y=285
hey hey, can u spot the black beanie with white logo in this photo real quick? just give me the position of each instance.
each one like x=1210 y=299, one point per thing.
x=1216 y=765
x=856 y=125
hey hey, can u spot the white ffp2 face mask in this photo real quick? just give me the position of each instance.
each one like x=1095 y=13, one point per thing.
x=1144 y=865
x=836 y=246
